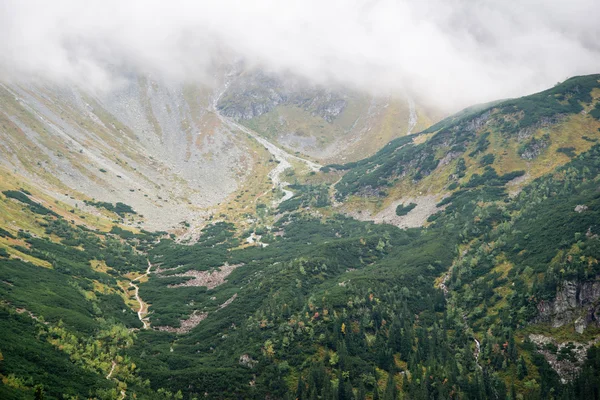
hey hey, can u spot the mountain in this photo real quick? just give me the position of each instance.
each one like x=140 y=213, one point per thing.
x=328 y=123
x=479 y=279
x=131 y=143
x=148 y=144
x=513 y=142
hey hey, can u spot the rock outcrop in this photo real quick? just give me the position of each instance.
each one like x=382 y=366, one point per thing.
x=256 y=93
x=247 y=361
x=575 y=302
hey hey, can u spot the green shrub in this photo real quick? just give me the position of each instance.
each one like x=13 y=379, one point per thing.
x=403 y=210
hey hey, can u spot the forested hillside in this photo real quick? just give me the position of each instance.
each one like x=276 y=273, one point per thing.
x=533 y=135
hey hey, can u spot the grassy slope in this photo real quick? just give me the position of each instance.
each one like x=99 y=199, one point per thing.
x=360 y=130
x=64 y=317
x=411 y=170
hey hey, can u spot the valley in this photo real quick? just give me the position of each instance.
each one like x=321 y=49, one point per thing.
x=181 y=242
x=143 y=307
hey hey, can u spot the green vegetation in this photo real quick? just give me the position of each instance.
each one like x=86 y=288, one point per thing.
x=29 y=360
x=533 y=147
x=23 y=197
x=403 y=210
x=6 y=234
x=549 y=105
x=569 y=151
x=481 y=145
x=488 y=159
x=306 y=196
x=491 y=178
x=119 y=208
x=471 y=133
x=332 y=305
x=596 y=111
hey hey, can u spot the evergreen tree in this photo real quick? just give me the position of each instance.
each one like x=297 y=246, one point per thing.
x=300 y=389
x=391 y=392
x=38 y=393
x=521 y=369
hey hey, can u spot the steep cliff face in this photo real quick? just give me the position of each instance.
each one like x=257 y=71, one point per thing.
x=575 y=302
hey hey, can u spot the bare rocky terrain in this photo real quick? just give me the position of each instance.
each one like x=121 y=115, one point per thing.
x=176 y=151
x=210 y=279
x=566 y=358
x=425 y=207
x=154 y=146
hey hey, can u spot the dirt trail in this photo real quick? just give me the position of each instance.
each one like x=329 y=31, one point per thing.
x=31 y=315
x=143 y=310
x=112 y=369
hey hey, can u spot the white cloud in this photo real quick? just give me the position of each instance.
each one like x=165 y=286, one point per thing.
x=452 y=52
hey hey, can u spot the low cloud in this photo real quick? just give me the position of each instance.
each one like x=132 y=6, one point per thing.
x=450 y=52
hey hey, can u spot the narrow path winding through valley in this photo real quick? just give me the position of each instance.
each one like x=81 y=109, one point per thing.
x=112 y=369
x=143 y=310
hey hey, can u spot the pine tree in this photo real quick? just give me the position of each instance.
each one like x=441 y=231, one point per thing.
x=391 y=392
x=300 y=389
x=361 y=393
x=39 y=393
x=512 y=348
x=521 y=369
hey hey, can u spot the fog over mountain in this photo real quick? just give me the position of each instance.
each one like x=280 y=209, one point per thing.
x=451 y=53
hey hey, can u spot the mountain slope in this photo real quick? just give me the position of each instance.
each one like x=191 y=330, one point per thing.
x=332 y=124
x=524 y=138
x=149 y=145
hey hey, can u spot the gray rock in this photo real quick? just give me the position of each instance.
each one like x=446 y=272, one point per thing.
x=580 y=325
x=565 y=367
x=247 y=361
x=256 y=93
x=577 y=302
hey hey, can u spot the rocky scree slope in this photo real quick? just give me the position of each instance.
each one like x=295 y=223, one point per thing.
x=151 y=145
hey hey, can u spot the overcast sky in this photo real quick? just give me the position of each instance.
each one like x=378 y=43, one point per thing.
x=452 y=52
